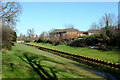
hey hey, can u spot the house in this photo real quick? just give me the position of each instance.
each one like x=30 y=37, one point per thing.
x=95 y=31
x=73 y=33
x=89 y=32
x=65 y=33
x=82 y=33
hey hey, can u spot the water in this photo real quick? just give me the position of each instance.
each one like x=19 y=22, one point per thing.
x=108 y=76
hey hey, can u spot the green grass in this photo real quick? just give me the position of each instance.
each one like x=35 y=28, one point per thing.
x=23 y=61
x=110 y=56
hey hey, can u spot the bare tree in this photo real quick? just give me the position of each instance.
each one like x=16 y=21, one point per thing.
x=109 y=32
x=30 y=34
x=10 y=13
x=42 y=37
x=94 y=26
x=36 y=37
x=108 y=19
x=21 y=37
x=69 y=26
x=24 y=37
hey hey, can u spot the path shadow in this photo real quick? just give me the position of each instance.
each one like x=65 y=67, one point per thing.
x=44 y=75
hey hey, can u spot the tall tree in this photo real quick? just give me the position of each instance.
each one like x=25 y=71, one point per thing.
x=107 y=21
x=94 y=26
x=14 y=36
x=24 y=38
x=10 y=13
x=109 y=33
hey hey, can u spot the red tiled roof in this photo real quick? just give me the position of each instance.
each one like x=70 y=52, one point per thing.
x=62 y=30
x=81 y=32
x=94 y=31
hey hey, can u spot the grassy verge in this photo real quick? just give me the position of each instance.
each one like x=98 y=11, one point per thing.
x=110 y=56
x=28 y=62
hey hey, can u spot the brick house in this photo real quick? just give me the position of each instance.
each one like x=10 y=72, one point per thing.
x=89 y=32
x=82 y=33
x=65 y=33
x=92 y=32
x=73 y=33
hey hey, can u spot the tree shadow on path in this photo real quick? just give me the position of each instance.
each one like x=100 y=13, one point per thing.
x=44 y=75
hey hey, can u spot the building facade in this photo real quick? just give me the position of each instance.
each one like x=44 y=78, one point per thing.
x=73 y=33
x=65 y=33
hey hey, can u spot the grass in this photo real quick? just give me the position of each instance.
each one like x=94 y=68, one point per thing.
x=109 y=56
x=28 y=62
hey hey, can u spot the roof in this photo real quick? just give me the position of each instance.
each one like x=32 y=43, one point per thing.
x=94 y=31
x=90 y=31
x=81 y=32
x=64 y=30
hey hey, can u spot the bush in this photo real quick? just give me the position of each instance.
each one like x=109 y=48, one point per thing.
x=77 y=43
x=39 y=40
x=83 y=42
x=27 y=41
x=55 y=43
x=48 y=41
x=83 y=36
x=90 y=41
x=35 y=41
x=103 y=47
x=7 y=45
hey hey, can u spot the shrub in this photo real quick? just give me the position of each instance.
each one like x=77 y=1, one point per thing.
x=83 y=42
x=27 y=41
x=48 y=41
x=39 y=40
x=103 y=47
x=6 y=45
x=55 y=43
x=83 y=36
x=90 y=41
x=77 y=43
x=35 y=41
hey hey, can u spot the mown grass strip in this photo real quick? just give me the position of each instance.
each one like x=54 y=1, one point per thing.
x=109 y=56
x=76 y=56
x=28 y=62
x=95 y=66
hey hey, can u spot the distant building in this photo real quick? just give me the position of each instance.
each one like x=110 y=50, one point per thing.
x=20 y=42
x=65 y=33
x=82 y=33
x=74 y=33
x=95 y=31
x=89 y=32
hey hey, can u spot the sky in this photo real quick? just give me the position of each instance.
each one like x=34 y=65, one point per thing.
x=64 y=0
x=45 y=16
